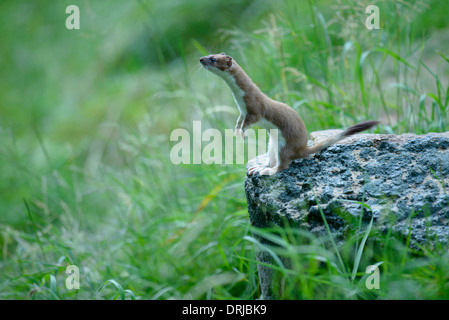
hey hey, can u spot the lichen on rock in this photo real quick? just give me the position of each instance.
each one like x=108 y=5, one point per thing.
x=402 y=177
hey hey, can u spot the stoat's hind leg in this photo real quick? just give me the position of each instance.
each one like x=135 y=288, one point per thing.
x=273 y=152
x=286 y=155
x=271 y=166
x=258 y=163
x=269 y=171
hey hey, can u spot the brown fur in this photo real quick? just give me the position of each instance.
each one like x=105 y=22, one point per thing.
x=259 y=107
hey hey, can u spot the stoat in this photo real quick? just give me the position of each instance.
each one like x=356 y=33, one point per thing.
x=255 y=106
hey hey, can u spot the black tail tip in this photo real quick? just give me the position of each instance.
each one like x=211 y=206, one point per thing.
x=361 y=126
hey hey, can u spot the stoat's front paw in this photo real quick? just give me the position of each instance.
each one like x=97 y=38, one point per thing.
x=240 y=133
x=237 y=132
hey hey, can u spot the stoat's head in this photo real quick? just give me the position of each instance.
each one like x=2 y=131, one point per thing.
x=217 y=63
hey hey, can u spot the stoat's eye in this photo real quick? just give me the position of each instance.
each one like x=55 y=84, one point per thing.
x=212 y=60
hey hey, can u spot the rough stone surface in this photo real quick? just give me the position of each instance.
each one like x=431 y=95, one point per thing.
x=404 y=178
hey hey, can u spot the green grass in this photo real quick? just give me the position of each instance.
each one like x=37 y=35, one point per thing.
x=85 y=121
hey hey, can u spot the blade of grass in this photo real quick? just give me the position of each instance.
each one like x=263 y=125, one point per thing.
x=442 y=55
x=119 y=289
x=52 y=279
x=395 y=56
x=265 y=248
x=329 y=232
x=35 y=229
x=358 y=256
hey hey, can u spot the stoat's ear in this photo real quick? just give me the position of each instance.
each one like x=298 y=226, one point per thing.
x=223 y=54
x=228 y=61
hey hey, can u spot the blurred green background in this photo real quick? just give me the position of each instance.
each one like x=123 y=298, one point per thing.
x=86 y=117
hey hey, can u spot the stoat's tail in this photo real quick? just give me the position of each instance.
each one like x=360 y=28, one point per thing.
x=359 y=127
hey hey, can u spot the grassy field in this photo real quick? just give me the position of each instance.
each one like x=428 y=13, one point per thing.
x=85 y=123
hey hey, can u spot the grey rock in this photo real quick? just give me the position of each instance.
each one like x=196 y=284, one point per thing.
x=404 y=178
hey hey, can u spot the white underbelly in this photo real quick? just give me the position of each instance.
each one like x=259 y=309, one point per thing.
x=238 y=98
